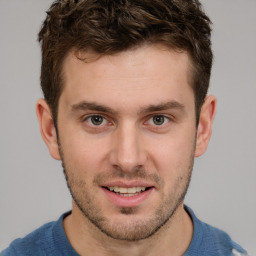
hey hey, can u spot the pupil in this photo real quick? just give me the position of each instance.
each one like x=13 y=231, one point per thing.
x=158 y=120
x=97 y=120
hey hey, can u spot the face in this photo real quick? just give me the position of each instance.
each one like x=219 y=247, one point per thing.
x=127 y=135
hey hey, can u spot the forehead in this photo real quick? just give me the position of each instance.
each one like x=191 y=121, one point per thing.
x=146 y=72
x=145 y=57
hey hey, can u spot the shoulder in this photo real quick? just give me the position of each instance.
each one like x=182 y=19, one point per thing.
x=49 y=239
x=211 y=241
x=220 y=241
x=36 y=243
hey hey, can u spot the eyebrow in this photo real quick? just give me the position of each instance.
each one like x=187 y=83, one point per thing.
x=85 y=106
x=163 y=106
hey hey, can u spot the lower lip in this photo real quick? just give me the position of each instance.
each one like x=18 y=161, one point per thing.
x=127 y=201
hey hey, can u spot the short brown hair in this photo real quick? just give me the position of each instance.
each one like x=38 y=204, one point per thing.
x=111 y=26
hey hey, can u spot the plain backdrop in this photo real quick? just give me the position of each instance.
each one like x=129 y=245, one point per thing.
x=223 y=189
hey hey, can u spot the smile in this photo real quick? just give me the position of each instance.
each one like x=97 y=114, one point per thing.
x=127 y=196
x=122 y=191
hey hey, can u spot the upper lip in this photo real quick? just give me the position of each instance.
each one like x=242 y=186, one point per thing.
x=128 y=184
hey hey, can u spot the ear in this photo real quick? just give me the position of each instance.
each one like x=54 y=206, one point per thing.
x=204 y=129
x=47 y=128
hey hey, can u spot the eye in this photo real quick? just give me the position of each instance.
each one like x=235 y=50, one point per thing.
x=96 y=120
x=158 y=120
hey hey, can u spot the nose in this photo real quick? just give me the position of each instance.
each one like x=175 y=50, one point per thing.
x=127 y=152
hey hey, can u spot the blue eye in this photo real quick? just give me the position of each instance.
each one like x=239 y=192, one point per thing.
x=96 y=120
x=158 y=120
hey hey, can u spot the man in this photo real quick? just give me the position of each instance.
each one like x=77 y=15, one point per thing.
x=126 y=111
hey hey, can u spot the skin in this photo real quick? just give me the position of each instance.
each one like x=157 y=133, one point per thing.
x=128 y=90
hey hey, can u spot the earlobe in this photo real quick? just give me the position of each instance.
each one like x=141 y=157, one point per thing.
x=47 y=128
x=204 y=129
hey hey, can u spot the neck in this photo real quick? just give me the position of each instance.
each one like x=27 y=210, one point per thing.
x=172 y=239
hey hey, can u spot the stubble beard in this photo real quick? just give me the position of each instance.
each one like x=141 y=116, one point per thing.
x=132 y=230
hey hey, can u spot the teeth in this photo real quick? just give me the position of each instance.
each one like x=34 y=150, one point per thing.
x=127 y=191
x=116 y=189
x=129 y=194
x=131 y=190
x=122 y=190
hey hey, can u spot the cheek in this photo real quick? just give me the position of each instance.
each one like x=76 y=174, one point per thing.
x=83 y=154
x=171 y=156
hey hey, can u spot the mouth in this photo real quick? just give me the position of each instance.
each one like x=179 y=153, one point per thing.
x=128 y=196
x=127 y=192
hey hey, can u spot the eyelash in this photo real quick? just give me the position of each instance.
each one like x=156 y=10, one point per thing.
x=88 y=119
x=166 y=120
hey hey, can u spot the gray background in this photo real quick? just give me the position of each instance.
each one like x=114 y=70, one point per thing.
x=223 y=189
